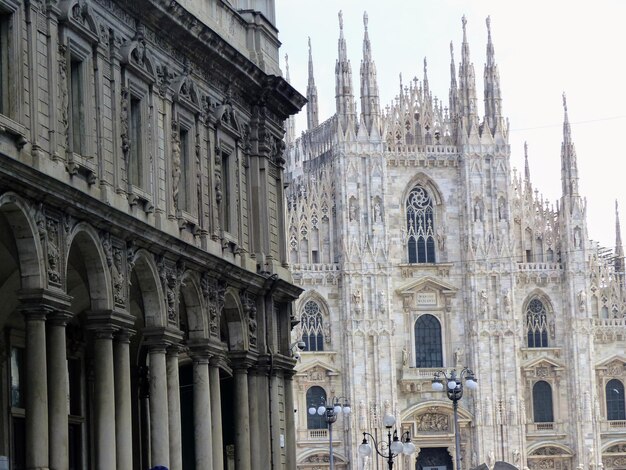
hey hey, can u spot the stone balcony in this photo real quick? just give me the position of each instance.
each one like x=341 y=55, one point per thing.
x=413 y=379
x=540 y=273
x=609 y=330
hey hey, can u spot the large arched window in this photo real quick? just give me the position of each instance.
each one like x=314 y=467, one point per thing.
x=312 y=327
x=542 y=402
x=315 y=396
x=428 y=351
x=537 y=324
x=615 y=400
x=420 y=226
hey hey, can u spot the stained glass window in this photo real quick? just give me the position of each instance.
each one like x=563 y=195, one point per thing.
x=537 y=324
x=312 y=327
x=420 y=226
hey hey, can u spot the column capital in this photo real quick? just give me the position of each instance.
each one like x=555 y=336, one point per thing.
x=123 y=335
x=43 y=298
x=59 y=317
x=241 y=361
x=175 y=349
x=161 y=336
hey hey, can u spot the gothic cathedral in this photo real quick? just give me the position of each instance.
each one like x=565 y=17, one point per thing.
x=421 y=250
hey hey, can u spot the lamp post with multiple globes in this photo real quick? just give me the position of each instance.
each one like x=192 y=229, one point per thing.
x=454 y=391
x=330 y=410
x=395 y=445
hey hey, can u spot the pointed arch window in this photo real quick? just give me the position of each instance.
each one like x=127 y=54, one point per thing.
x=428 y=351
x=542 y=402
x=312 y=325
x=315 y=396
x=420 y=226
x=615 y=404
x=537 y=324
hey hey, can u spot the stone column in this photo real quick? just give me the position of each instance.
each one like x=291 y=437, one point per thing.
x=202 y=413
x=104 y=398
x=253 y=410
x=159 y=422
x=275 y=416
x=123 y=400
x=36 y=390
x=58 y=392
x=216 y=415
x=290 y=421
x=173 y=408
x=242 y=419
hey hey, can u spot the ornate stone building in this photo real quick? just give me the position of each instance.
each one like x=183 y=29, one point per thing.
x=419 y=249
x=145 y=298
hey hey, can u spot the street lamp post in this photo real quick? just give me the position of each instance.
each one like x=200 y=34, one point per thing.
x=454 y=391
x=331 y=410
x=395 y=445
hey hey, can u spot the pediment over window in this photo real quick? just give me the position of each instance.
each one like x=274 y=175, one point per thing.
x=137 y=57
x=427 y=292
x=543 y=368
x=316 y=371
x=226 y=116
x=78 y=16
x=185 y=89
x=552 y=451
x=614 y=366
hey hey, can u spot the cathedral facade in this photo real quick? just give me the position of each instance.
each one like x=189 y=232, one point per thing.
x=145 y=298
x=421 y=250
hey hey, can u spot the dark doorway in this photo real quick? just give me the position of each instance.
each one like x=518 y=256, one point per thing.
x=434 y=458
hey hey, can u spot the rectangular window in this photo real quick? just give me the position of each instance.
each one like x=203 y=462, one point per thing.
x=226 y=199
x=5 y=26
x=77 y=96
x=183 y=189
x=135 y=166
x=17 y=377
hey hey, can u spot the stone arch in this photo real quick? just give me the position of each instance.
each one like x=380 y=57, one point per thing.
x=613 y=443
x=315 y=456
x=427 y=183
x=84 y=238
x=231 y=322
x=541 y=295
x=565 y=450
x=408 y=413
x=143 y=268
x=193 y=302
x=27 y=240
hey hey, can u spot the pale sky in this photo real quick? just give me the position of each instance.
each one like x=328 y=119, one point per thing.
x=542 y=47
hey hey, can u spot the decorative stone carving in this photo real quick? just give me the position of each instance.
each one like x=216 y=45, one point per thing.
x=118 y=278
x=164 y=78
x=249 y=308
x=52 y=251
x=124 y=122
x=171 y=280
x=63 y=93
x=619 y=448
x=213 y=292
x=548 y=450
x=433 y=422
x=176 y=162
x=105 y=239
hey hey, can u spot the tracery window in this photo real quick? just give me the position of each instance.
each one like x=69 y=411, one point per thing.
x=428 y=351
x=537 y=324
x=315 y=396
x=420 y=226
x=542 y=402
x=615 y=404
x=312 y=325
